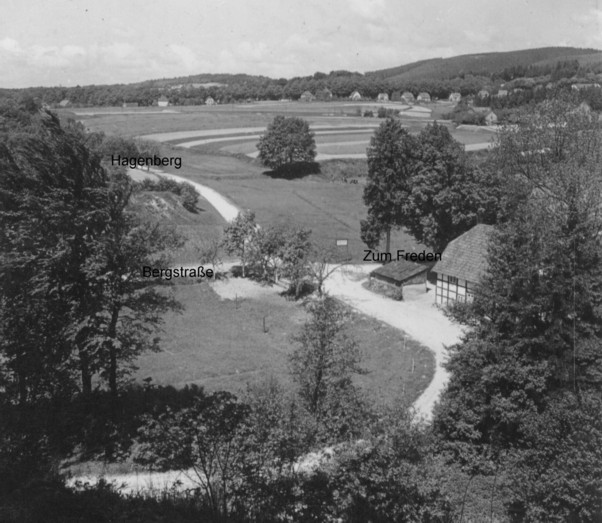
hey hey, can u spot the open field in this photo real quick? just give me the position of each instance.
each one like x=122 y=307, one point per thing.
x=221 y=344
x=233 y=119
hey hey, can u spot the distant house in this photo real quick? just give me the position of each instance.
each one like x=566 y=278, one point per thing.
x=463 y=263
x=383 y=97
x=501 y=93
x=355 y=96
x=307 y=97
x=210 y=101
x=455 y=97
x=400 y=273
x=129 y=104
x=324 y=94
x=578 y=87
x=423 y=97
x=408 y=97
x=396 y=96
x=163 y=101
x=483 y=93
x=491 y=118
x=65 y=103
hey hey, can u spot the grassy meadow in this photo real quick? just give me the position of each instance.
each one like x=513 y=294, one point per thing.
x=221 y=344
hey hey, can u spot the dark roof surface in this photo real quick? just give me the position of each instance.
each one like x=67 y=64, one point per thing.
x=400 y=271
x=466 y=256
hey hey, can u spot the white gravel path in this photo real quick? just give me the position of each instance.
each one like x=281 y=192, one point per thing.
x=416 y=315
x=227 y=210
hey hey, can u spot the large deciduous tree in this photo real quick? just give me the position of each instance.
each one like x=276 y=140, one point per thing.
x=286 y=141
x=425 y=184
x=73 y=304
x=53 y=203
x=448 y=195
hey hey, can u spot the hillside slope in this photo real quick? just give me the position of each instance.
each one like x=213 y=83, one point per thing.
x=485 y=64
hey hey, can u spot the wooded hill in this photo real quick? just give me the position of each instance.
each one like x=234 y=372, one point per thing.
x=542 y=61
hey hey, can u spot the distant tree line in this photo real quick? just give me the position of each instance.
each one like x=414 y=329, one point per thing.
x=338 y=84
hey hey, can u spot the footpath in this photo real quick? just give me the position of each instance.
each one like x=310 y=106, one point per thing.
x=418 y=317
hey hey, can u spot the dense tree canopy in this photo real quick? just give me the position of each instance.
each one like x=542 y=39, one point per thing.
x=390 y=157
x=426 y=184
x=532 y=357
x=73 y=300
x=286 y=141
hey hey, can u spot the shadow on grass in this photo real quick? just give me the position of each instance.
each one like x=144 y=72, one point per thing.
x=294 y=171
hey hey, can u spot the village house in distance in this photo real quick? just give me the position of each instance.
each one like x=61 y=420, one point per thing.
x=461 y=266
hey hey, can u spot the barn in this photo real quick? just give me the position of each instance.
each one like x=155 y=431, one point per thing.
x=163 y=101
x=355 y=95
x=408 y=97
x=462 y=264
x=423 y=97
x=491 y=118
x=455 y=97
x=383 y=97
x=307 y=97
x=210 y=101
x=400 y=273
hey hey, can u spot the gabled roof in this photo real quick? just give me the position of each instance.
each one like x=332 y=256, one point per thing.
x=400 y=271
x=466 y=256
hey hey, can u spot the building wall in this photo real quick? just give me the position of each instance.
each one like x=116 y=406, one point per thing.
x=450 y=289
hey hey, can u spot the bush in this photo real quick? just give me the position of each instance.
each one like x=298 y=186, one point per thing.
x=187 y=193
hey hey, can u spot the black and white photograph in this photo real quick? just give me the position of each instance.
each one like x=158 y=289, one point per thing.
x=330 y=261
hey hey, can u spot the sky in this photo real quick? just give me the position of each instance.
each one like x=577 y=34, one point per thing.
x=83 y=42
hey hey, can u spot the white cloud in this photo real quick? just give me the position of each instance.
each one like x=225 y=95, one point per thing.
x=10 y=45
x=371 y=9
x=187 y=56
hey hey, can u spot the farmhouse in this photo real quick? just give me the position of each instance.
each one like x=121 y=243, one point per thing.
x=163 y=101
x=355 y=95
x=324 y=94
x=400 y=273
x=578 y=87
x=383 y=97
x=307 y=97
x=491 y=118
x=502 y=92
x=483 y=93
x=455 y=97
x=424 y=97
x=64 y=103
x=408 y=97
x=210 y=101
x=463 y=263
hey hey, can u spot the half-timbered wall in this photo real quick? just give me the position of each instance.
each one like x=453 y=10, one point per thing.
x=450 y=289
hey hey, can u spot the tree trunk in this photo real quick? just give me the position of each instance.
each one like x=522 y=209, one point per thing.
x=112 y=333
x=86 y=376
